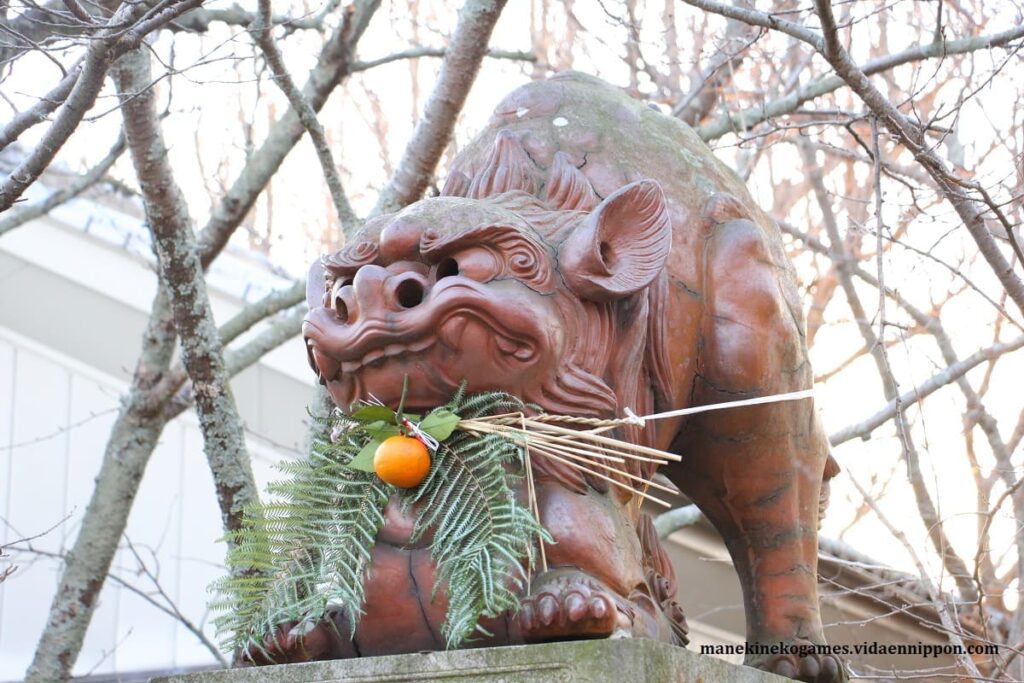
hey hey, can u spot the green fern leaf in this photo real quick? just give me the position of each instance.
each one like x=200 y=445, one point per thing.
x=308 y=548
x=311 y=545
x=484 y=539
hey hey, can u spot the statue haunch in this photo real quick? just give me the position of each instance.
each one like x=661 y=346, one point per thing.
x=589 y=254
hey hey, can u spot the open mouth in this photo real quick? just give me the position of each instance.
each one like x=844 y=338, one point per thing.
x=460 y=330
x=379 y=355
x=328 y=369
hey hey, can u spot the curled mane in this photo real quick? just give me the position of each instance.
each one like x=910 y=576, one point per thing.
x=554 y=200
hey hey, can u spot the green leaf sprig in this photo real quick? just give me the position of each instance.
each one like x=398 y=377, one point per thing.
x=310 y=546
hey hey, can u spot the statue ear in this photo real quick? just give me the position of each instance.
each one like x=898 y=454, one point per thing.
x=621 y=246
x=315 y=285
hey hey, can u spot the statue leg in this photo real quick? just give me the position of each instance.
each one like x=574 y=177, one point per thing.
x=757 y=472
x=596 y=584
x=766 y=510
x=567 y=603
x=330 y=638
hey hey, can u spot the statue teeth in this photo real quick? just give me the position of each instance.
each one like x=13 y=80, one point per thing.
x=421 y=345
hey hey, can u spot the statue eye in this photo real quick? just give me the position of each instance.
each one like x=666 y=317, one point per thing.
x=447 y=268
x=475 y=263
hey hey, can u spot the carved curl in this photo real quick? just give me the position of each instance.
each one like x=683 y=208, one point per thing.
x=568 y=188
x=508 y=168
x=351 y=257
x=519 y=254
x=456 y=185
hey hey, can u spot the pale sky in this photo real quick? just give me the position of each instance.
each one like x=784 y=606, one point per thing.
x=214 y=100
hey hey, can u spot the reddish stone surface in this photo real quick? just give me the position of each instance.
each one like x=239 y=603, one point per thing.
x=590 y=254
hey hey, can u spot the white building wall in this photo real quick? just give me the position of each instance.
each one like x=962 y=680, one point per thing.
x=56 y=417
x=75 y=291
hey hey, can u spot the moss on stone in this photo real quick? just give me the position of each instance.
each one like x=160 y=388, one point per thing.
x=590 y=661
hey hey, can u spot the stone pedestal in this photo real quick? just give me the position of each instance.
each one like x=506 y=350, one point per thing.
x=586 y=661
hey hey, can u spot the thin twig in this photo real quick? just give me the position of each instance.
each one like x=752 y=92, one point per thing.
x=262 y=33
x=459 y=68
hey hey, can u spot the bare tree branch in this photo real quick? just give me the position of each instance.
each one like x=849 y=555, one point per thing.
x=704 y=92
x=132 y=439
x=167 y=607
x=417 y=52
x=78 y=11
x=24 y=214
x=912 y=136
x=332 y=67
x=199 y=19
x=940 y=601
x=876 y=349
x=864 y=428
x=281 y=329
x=753 y=17
x=1000 y=449
x=42 y=108
x=274 y=302
x=906 y=131
x=57 y=20
x=262 y=32
x=748 y=118
x=141 y=419
x=41 y=25
x=108 y=45
x=466 y=50
x=182 y=276
x=669 y=522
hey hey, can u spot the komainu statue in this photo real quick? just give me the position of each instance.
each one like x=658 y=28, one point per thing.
x=589 y=254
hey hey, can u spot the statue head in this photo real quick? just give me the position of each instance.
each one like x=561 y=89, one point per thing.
x=544 y=297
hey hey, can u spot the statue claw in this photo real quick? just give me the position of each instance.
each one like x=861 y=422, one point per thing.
x=808 y=665
x=568 y=604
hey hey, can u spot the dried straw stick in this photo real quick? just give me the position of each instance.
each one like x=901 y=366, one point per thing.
x=574 y=449
x=569 y=463
x=645 y=482
x=588 y=450
x=573 y=438
x=592 y=449
x=591 y=437
x=531 y=490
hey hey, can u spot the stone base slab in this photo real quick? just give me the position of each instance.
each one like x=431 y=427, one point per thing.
x=585 y=661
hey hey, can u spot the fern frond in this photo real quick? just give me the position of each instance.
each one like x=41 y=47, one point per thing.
x=307 y=548
x=484 y=539
x=311 y=545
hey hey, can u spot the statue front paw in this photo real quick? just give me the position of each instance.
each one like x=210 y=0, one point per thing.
x=295 y=642
x=568 y=604
x=804 y=663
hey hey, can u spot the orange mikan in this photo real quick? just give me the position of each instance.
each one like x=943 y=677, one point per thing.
x=402 y=461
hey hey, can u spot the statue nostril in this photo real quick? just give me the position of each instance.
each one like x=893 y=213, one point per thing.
x=409 y=293
x=340 y=309
x=447 y=268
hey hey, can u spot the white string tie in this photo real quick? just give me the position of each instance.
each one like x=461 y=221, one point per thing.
x=634 y=419
x=428 y=441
